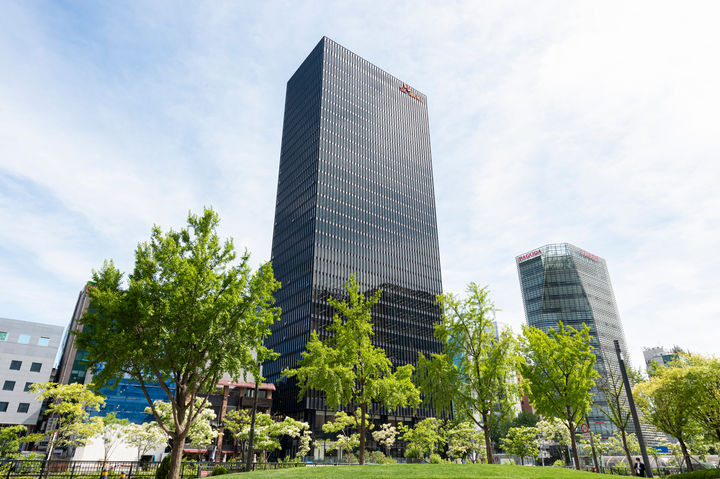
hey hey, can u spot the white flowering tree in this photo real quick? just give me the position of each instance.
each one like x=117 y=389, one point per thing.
x=386 y=436
x=463 y=440
x=144 y=437
x=267 y=431
x=201 y=432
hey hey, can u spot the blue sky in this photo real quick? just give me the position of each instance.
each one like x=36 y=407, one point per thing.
x=581 y=122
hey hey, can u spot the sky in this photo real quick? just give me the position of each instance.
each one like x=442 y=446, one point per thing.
x=592 y=123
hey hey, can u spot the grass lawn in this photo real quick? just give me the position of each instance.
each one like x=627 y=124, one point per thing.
x=412 y=471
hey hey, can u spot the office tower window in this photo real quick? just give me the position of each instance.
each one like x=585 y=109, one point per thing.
x=15 y=365
x=36 y=367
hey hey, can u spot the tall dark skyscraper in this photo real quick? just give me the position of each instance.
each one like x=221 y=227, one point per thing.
x=355 y=196
x=563 y=283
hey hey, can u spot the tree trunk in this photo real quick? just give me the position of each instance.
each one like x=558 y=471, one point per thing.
x=626 y=448
x=488 y=442
x=251 y=439
x=176 y=454
x=686 y=455
x=571 y=428
x=363 y=408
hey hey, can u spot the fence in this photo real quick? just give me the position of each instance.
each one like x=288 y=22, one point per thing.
x=67 y=469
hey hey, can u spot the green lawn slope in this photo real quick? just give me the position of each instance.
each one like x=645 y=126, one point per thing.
x=413 y=471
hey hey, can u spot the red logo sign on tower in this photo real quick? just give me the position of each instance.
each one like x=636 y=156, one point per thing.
x=407 y=90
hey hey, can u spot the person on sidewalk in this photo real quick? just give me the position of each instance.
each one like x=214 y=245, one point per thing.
x=639 y=468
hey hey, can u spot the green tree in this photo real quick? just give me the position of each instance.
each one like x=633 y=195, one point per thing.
x=144 y=437
x=13 y=437
x=342 y=424
x=111 y=433
x=189 y=315
x=521 y=441
x=425 y=438
x=348 y=368
x=703 y=378
x=558 y=374
x=668 y=401
x=552 y=431
x=237 y=421
x=475 y=374
x=68 y=413
x=464 y=439
x=267 y=434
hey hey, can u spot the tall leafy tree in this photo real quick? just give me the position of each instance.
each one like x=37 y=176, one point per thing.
x=68 y=412
x=558 y=374
x=348 y=368
x=669 y=400
x=703 y=378
x=475 y=374
x=188 y=315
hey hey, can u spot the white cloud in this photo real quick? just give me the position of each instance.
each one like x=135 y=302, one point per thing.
x=551 y=122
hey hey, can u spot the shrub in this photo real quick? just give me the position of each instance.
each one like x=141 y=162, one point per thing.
x=559 y=463
x=350 y=458
x=219 y=471
x=701 y=474
x=163 y=469
x=435 y=458
x=377 y=457
x=412 y=453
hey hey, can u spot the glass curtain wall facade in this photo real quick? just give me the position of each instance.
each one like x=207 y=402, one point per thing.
x=563 y=283
x=355 y=196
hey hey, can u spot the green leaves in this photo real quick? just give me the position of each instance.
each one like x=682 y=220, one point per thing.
x=189 y=312
x=348 y=368
x=521 y=441
x=475 y=374
x=68 y=407
x=558 y=374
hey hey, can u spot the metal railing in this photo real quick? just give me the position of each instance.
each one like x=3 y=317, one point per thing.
x=69 y=469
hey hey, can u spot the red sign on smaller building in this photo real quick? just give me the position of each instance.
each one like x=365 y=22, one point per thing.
x=591 y=256
x=529 y=255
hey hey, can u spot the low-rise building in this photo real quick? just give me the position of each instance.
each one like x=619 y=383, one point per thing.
x=27 y=356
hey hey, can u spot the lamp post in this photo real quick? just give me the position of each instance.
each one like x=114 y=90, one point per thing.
x=633 y=411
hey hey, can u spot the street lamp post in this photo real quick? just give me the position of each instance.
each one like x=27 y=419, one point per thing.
x=633 y=411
